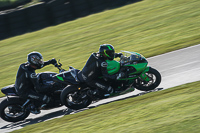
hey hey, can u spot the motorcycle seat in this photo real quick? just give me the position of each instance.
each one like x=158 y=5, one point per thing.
x=9 y=90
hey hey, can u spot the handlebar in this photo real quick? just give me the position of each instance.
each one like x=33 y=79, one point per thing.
x=58 y=65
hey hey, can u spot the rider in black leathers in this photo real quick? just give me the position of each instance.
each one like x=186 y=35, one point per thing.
x=27 y=84
x=96 y=67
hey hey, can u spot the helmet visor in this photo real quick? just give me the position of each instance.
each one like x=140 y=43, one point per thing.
x=41 y=62
x=37 y=60
x=110 y=54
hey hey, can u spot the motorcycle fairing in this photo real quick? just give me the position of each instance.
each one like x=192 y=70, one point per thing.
x=139 y=67
x=113 y=66
x=134 y=64
x=66 y=77
x=46 y=77
x=144 y=76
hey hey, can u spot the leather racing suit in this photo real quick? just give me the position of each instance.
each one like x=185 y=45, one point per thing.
x=96 y=67
x=27 y=84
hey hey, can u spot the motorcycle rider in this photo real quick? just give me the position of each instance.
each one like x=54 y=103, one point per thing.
x=96 y=66
x=27 y=84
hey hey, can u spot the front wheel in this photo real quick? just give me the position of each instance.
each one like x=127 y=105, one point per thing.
x=11 y=111
x=74 y=98
x=155 y=79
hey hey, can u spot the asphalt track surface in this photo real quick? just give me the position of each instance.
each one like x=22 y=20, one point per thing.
x=176 y=68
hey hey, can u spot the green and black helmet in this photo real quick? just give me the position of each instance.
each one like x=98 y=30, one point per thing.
x=107 y=51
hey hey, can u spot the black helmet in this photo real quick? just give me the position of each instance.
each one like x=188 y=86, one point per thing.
x=107 y=50
x=36 y=59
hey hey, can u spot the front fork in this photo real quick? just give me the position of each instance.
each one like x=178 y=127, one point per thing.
x=27 y=101
x=143 y=75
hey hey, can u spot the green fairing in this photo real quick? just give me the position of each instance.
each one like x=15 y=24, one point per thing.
x=60 y=78
x=113 y=66
x=140 y=67
x=146 y=69
x=144 y=76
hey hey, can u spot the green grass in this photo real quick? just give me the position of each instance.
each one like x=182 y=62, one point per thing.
x=149 y=27
x=175 y=110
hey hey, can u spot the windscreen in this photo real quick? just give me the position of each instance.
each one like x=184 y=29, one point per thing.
x=131 y=56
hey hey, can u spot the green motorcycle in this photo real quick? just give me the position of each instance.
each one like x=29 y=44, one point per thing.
x=134 y=74
x=137 y=73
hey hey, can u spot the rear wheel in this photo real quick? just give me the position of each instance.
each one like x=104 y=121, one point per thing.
x=11 y=111
x=75 y=99
x=155 y=79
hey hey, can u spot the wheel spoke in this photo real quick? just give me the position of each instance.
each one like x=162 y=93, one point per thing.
x=75 y=98
x=152 y=80
x=13 y=111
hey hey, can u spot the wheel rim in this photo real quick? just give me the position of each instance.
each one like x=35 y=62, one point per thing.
x=75 y=98
x=151 y=82
x=13 y=111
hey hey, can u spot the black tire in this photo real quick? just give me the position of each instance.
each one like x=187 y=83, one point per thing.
x=13 y=105
x=71 y=97
x=155 y=79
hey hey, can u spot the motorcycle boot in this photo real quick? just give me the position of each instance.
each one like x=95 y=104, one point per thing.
x=46 y=100
x=109 y=91
x=93 y=93
x=36 y=111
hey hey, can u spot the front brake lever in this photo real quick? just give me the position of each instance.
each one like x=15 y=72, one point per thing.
x=59 y=67
x=59 y=63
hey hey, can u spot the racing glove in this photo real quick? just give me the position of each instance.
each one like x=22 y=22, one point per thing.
x=118 y=55
x=53 y=61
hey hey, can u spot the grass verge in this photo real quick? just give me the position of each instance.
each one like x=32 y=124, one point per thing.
x=149 y=27
x=175 y=110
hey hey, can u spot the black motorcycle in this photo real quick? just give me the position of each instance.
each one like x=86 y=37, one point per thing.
x=15 y=108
